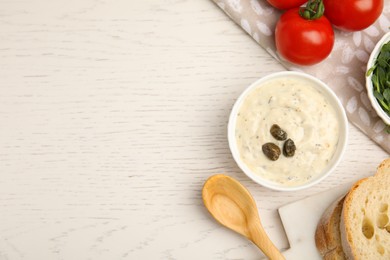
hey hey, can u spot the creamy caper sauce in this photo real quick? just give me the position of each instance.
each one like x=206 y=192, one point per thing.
x=307 y=117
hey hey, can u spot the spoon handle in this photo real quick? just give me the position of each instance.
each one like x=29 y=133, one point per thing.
x=260 y=238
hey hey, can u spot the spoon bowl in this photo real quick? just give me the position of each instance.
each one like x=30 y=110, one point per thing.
x=233 y=206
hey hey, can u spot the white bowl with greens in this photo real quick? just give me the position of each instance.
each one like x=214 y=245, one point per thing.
x=378 y=78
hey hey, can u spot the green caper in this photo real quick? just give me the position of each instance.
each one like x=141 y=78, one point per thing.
x=278 y=133
x=271 y=150
x=289 y=148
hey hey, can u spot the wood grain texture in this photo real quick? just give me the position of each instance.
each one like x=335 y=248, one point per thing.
x=113 y=114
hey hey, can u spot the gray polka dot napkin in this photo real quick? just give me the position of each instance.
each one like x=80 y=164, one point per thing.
x=344 y=69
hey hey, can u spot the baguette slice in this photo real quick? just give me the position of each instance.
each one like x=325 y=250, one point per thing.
x=327 y=236
x=364 y=224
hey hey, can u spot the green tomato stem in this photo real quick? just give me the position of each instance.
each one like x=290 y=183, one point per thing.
x=314 y=9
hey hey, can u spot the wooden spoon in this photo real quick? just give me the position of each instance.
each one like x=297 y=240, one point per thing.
x=233 y=206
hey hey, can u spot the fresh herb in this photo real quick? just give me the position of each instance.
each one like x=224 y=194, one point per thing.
x=381 y=78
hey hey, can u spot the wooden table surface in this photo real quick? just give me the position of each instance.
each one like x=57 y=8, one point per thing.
x=113 y=114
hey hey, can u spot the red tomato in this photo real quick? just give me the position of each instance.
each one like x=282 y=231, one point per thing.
x=353 y=15
x=302 y=41
x=286 y=4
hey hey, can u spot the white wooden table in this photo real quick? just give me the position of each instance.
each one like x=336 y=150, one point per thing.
x=113 y=114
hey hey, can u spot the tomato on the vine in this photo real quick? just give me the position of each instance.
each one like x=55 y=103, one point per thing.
x=353 y=15
x=286 y=4
x=303 y=35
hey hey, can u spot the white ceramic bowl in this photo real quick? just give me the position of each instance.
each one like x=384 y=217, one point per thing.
x=371 y=61
x=341 y=119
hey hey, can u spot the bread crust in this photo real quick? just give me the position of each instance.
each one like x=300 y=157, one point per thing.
x=334 y=235
x=327 y=235
x=361 y=188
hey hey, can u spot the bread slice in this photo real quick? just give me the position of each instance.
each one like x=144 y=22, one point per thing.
x=364 y=224
x=327 y=236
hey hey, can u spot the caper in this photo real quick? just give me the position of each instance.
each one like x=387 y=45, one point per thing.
x=271 y=150
x=278 y=133
x=289 y=148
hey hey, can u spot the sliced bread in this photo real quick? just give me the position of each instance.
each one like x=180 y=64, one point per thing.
x=327 y=236
x=364 y=223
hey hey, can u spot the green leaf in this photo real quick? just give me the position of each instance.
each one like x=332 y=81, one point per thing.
x=370 y=70
x=375 y=82
x=378 y=95
x=386 y=95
